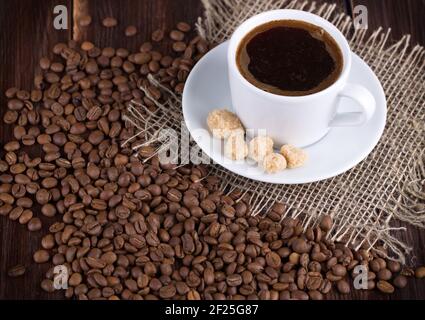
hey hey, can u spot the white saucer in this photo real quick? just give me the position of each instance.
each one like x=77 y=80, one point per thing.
x=341 y=149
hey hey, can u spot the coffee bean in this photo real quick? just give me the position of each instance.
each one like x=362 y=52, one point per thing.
x=47 y=285
x=19 y=190
x=394 y=266
x=25 y=216
x=183 y=26
x=49 y=210
x=228 y=211
x=315 y=295
x=34 y=131
x=34 y=224
x=44 y=63
x=202 y=46
x=174 y=195
x=11 y=92
x=49 y=182
x=187 y=243
x=16 y=271
x=109 y=22
x=375 y=265
x=299 y=245
x=17 y=168
x=299 y=295
x=19 y=132
x=339 y=270
x=193 y=295
x=326 y=286
x=142 y=58
x=384 y=274
x=10 y=117
x=407 y=271
x=16 y=213
x=167 y=292
x=190 y=201
x=24 y=202
x=100 y=279
x=371 y=285
x=130 y=31
x=208 y=205
x=85 y=20
x=146 y=47
x=179 y=46
x=3 y=166
x=48 y=242
x=255 y=267
x=157 y=35
x=43 y=196
x=7 y=198
x=385 y=286
x=176 y=35
x=23 y=95
x=420 y=272
x=234 y=280
x=11 y=146
x=87 y=46
x=6 y=179
x=75 y=279
x=41 y=256
x=343 y=287
x=382 y=263
x=15 y=104
x=273 y=260
x=326 y=223
x=400 y=281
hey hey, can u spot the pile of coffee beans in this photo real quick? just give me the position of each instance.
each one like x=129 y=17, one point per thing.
x=74 y=115
x=185 y=239
x=129 y=227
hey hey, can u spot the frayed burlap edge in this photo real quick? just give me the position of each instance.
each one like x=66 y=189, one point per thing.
x=363 y=202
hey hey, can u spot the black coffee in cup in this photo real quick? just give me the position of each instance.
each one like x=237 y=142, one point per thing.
x=290 y=58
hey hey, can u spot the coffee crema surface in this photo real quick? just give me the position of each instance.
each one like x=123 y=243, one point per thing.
x=289 y=58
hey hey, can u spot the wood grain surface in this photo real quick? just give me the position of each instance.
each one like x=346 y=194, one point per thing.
x=402 y=16
x=28 y=34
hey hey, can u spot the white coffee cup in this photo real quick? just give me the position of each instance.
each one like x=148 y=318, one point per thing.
x=297 y=120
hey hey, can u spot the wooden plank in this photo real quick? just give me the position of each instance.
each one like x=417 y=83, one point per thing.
x=146 y=15
x=401 y=16
x=27 y=34
x=24 y=43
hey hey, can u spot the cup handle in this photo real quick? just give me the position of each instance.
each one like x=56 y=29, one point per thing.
x=364 y=98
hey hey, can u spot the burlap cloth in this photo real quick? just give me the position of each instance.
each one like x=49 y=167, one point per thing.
x=388 y=185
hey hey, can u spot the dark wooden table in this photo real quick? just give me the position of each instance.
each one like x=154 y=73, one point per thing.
x=27 y=33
